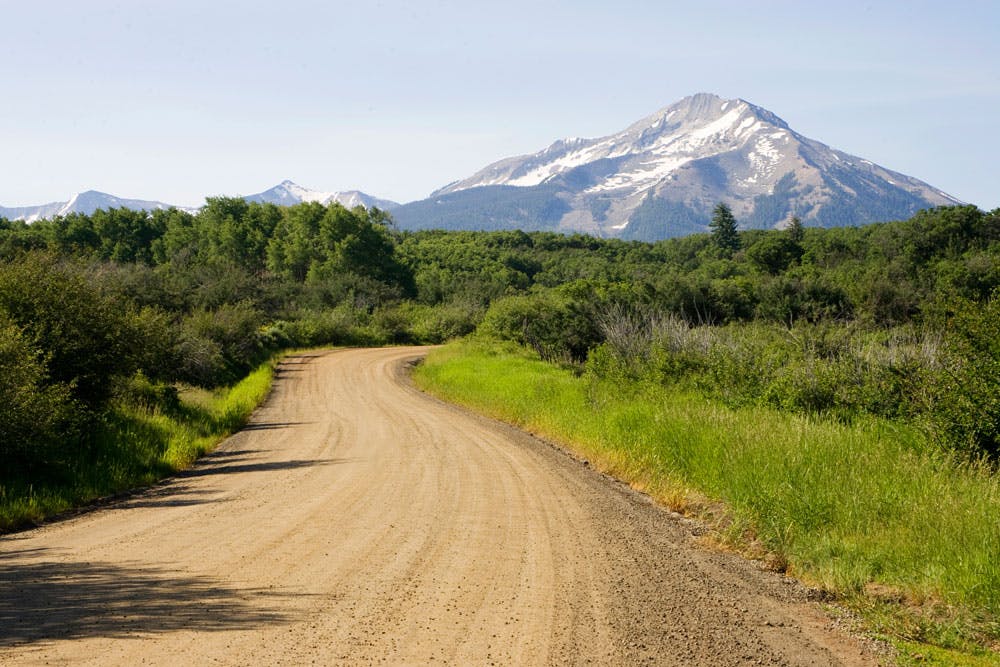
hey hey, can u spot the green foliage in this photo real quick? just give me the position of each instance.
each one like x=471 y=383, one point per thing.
x=317 y=243
x=219 y=346
x=88 y=338
x=774 y=253
x=438 y=324
x=36 y=416
x=236 y=232
x=560 y=324
x=548 y=322
x=965 y=406
x=147 y=432
x=723 y=228
x=814 y=369
x=796 y=230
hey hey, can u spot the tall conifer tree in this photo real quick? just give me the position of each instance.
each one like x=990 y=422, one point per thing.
x=723 y=228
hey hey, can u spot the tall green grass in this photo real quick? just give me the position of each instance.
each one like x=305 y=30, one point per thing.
x=869 y=510
x=134 y=446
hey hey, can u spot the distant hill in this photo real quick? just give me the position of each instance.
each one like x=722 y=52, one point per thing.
x=285 y=193
x=84 y=202
x=662 y=176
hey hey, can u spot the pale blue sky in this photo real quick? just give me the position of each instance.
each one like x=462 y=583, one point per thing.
x=178 y=100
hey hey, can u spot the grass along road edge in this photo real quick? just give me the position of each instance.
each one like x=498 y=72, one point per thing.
x=138 y=444
x=900 y=533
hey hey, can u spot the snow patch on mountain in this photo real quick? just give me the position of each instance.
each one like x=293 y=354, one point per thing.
x=668 y=170
x=285 y=193
x=288 y=193
x=85 y=203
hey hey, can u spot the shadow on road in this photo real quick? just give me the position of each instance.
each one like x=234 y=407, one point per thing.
x=203 y=470
x=171 y=495
x=44 y=599
x=271 y=426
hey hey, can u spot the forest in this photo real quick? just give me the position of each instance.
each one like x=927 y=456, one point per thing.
x=125 y=310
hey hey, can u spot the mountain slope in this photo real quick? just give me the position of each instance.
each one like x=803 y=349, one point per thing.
x=288 y=193
x=285 y=193
x=661 y=177
x=84 y=202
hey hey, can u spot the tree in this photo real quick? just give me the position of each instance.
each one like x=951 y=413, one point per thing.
x=723 y=228
x=88 y=338
x=774 y=253
x=796 y=230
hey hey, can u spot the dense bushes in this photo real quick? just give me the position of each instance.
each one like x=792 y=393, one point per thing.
x=887 y=319
x=36 y=415
x=220 y=346
x=66 y=350
x=892 y=320
x=946 y=380
x=966 y=398
x=86 y=338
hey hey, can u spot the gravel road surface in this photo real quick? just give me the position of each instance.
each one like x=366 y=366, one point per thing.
x=358 y=521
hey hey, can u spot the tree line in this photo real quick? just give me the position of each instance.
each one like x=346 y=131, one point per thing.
x=122 y=305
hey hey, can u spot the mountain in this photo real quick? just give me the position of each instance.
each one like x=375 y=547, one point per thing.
x=285 y=193
x=84 y=202
x=662 y=176
x=288 y=193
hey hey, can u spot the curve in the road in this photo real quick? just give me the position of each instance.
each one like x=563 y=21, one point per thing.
x=356 y=520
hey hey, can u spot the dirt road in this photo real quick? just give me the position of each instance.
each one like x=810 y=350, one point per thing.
x=357 y=521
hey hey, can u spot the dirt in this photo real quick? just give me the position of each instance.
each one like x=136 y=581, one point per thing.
x=358 y=521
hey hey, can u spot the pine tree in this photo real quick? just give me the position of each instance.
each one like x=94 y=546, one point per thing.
x=796 y=230
x=723 y=228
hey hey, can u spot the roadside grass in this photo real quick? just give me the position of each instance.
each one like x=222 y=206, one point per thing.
x=902 y=534
x=135 y=446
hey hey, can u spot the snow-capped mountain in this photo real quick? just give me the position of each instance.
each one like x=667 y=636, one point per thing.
x=284 y=194
x=288 y=193
x=663 y=175
x=84 y=202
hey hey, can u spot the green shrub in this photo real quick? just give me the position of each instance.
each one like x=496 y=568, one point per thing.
x=964 y=412
x=37 y=419
x=88 y=338
x=556 y=327
x=437 y=324
x=216 y=347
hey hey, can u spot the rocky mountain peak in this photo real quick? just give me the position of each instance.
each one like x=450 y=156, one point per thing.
x=662 y=175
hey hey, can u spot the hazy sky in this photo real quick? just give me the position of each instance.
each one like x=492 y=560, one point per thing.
x=179 y=100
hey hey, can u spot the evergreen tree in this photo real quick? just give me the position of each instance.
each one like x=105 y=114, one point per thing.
x=723 y=228
x=796 y=230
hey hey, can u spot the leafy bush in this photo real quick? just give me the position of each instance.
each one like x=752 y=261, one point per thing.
x=965 y=408
x=774 y=253
x=438 y=324
x=555 y=326
x=217 y=347
x=36 y=416
x=88 y=338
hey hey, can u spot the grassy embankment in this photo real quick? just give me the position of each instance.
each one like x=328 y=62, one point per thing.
x=868 y=511
x=136 y=446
